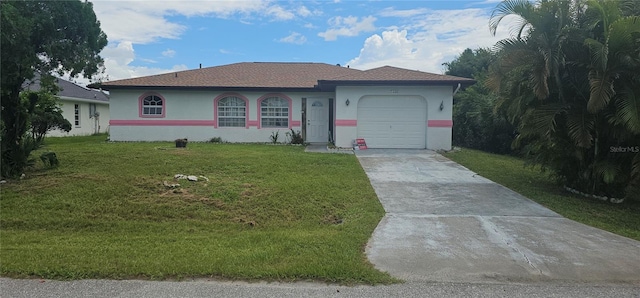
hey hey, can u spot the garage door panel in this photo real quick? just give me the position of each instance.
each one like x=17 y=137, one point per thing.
x=392 y=121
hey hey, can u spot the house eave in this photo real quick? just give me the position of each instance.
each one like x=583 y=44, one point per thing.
x=217 y=88
x=332 y=84
x=96 y=101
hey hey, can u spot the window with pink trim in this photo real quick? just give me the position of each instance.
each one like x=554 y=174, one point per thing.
x=152 y=106
x=232 y=112
x=274 y=112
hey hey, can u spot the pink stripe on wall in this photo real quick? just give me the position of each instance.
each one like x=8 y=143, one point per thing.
x=346 y=122
x=295 y=123
x=162 y=123
x=440 y=123
x=253 y=123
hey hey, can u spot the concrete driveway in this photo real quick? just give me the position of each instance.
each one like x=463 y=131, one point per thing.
x=446 y=223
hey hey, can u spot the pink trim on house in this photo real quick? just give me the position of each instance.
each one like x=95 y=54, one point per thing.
x=162 y=123
x=344 y=122
x=296 y=123
x=274 y=95
x=141 y=98
x=440 y=123
x=230 y=94
x=253 y=123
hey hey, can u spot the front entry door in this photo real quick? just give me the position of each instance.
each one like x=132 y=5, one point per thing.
x=317 y=120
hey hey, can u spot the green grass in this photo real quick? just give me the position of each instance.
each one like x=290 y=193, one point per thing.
x=622 y=219
x=268 y=213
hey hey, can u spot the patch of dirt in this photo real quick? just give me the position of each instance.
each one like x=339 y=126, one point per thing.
x=332 y=219
x=244 y=220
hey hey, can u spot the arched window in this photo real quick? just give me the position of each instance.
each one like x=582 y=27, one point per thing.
x=232 y=112
x=274 y=112
x=152 y=106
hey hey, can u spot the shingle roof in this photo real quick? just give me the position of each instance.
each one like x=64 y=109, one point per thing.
x=278 y=75
x=242 y=75
x=69 y=89
x=390 y=73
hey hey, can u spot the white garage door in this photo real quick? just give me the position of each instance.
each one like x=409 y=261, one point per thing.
x=393 y=121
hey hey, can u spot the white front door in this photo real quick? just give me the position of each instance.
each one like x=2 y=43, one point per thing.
x=317 y=120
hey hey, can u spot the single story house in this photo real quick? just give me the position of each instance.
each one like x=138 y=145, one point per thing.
x=389 y=107
x=86 y=109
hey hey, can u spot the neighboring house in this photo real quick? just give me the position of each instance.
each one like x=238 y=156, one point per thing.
x=246 y=102
x=86 y=109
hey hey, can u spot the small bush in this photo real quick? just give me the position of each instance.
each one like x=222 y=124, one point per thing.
x=274 y=137
x=216 y=140
x=295 y=137
x=49 y=159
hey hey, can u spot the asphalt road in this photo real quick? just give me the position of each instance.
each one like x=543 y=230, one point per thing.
x=35 y=288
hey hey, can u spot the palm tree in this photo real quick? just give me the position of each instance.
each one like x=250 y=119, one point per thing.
x=569 y=78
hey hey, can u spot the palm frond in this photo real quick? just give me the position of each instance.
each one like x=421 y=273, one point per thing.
x=581 y=126
x=601 y=91
x=521 y=8
x=599 y=53
x=539 y=78
x=628 y=110
x=541 y=121
x=607 y=171
x=621 y=35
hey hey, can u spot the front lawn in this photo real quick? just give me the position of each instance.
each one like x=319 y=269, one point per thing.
x=622 y=219
x=267 y=212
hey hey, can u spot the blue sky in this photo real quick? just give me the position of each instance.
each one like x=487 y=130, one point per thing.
x=151 y=37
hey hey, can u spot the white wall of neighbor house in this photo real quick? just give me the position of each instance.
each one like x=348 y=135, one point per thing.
x=191 y=114
x=85 y=123
x=438 y=127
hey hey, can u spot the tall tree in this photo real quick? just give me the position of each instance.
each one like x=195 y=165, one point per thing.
x=476 y=125
x=570 y=79
x=40 y=37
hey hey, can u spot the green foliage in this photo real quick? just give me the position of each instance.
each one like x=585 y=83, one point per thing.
x=40 y=37
x=15 y=154
x=274 y=137
x=295 y=137
x=475 y=123
x=569 y=82
x=216 y=140
x=49 y=159
x=46 y=116
x=470 y=63
x=265 y=214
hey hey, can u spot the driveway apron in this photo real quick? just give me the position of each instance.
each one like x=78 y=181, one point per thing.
x=446 y=223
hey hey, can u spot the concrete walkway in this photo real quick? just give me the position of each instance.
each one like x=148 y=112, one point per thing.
x=445 y=223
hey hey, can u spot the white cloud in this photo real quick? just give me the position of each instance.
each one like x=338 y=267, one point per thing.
x=303 y=11
x=117 y=60
x=392 y=12
x=148 y=60
x=347 y=26
x=294 y=38
x=146 y=21
x=280 y=13
x=119 y=25
x=132 y=22
x=169 y=53
x=429 y=40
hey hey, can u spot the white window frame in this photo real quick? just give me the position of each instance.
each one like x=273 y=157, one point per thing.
x=76 y=115
x=230 y=113
x=274 y=112
x=150 y=103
